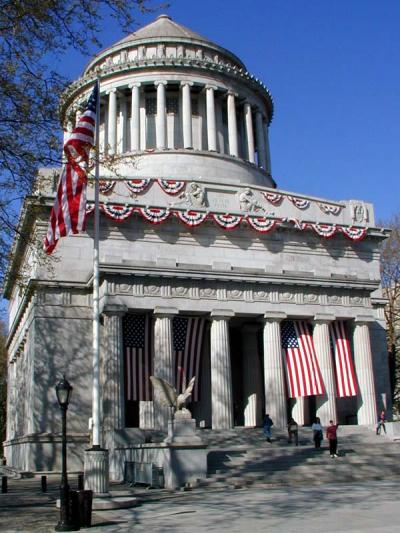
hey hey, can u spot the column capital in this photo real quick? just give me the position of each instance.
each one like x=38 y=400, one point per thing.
x=183 y=83
x=363 y=320
x=132 y=85
x=232 y=93
x=213 y=87
x=114 y=309
x=222 y=314
x=165 y=312
x=111 y=91
x=161 y=82
x=274 y=316
x=321 y=318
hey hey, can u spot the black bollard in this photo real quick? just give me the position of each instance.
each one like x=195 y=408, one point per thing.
x=4 y=487
x=44 y=483
x=80 y=481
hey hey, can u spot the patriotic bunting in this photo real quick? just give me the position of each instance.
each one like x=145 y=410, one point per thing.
x=137 y=186
x=324 y=230
x=345 y=375
x=172 y=187
x=117 y=212
x=154 y=215
x=303 y=373
x=227 y=221
x=262 y=224
x=354 y=234
x=273 y=198
x=300 y=203
x=191 y=218
x=330 y=209
x=106 y=187
x=298 y=224
x=187 y=335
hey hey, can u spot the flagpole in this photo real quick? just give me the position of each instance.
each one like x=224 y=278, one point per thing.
x=96 y=289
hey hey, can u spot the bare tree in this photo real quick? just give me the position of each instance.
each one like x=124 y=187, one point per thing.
x=390 y=271
x=31 y=33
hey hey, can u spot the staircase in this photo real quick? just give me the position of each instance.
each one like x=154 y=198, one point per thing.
x=242 y=457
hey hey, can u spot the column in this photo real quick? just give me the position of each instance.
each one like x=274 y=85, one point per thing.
x=187 y=114
x=163 y=359
x=232 y=125
x=161 y=119
x=326 y=404
x=298 y=410
x=221 y=375
x=249 y=132
x=262 y=161
x=122 y=126
x=135 y=116
x=274 y=376
x=267 y=149
x=211 y=118
x=112 y=121
x=367 y=412
x=252 y=382
x=112 y=385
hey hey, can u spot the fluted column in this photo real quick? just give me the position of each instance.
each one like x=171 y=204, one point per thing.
x=252 y=379
x=249 y=132
x=123 y=115
x=163 y=359
x=187 y=114
x=112 y=384
x=211 y=118
x=326 y=404
x=135 y=116
x=298 y=410
x=274 y=376
x=262 y=161
x=161 y=119
x=267 y=149
x=221 y=375
x=112 y=121
x=367 y=412
x=232 y=125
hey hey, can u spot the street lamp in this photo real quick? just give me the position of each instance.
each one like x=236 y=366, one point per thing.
x=63 y=391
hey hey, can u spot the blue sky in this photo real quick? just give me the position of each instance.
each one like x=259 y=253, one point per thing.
x=333 y=69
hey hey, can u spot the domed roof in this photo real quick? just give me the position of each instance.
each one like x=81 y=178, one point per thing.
x=163 y=26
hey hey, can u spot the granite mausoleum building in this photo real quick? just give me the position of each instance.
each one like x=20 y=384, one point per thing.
x=207 y=267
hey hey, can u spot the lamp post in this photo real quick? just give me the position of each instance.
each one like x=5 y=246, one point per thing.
x=63 y=391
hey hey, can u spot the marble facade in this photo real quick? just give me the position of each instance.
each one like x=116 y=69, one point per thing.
x=176 y=107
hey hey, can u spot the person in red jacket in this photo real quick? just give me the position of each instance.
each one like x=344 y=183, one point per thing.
x=331 y=435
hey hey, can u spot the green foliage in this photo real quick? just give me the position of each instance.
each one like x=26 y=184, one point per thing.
x=30 y=33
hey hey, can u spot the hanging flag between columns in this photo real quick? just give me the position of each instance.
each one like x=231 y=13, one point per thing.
x=303 y=372
x=68 y=215
x=346 y=383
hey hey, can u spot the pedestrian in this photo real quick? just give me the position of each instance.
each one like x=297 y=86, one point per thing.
x=318 y=434
x=293 y=432
x=267 y=427
x=381 y=423
x=331 y=435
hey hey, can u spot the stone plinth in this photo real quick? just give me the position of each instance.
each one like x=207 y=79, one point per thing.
x=182 y=429
x=97 y=471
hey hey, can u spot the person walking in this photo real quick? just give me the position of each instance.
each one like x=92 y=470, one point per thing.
x=331 y=435
x=267 y=427
x=318 y=434
x=381 y=423
x=293 y=432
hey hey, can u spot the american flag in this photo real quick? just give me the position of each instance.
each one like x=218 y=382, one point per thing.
x=137 y=340
x=187 y=335
x=303 y=373
x=68 y=215
x=345 y=375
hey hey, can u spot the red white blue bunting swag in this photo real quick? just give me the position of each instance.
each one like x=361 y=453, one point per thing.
x=138 y=185
x=154 y=215
x=117 y=212
x=172 y=187
x=191 y=218
x=227 y=221
x=262 y=224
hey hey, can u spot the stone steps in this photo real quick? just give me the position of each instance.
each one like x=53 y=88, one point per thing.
x=239 y=458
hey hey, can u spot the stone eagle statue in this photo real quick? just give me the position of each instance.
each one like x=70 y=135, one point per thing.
x=168 y=395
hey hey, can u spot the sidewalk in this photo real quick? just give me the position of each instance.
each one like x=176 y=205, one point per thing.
x=368 y=507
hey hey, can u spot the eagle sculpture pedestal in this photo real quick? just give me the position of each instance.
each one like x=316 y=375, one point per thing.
x=182 y=429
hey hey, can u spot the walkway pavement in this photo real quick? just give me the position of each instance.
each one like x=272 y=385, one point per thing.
x=363 y=507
